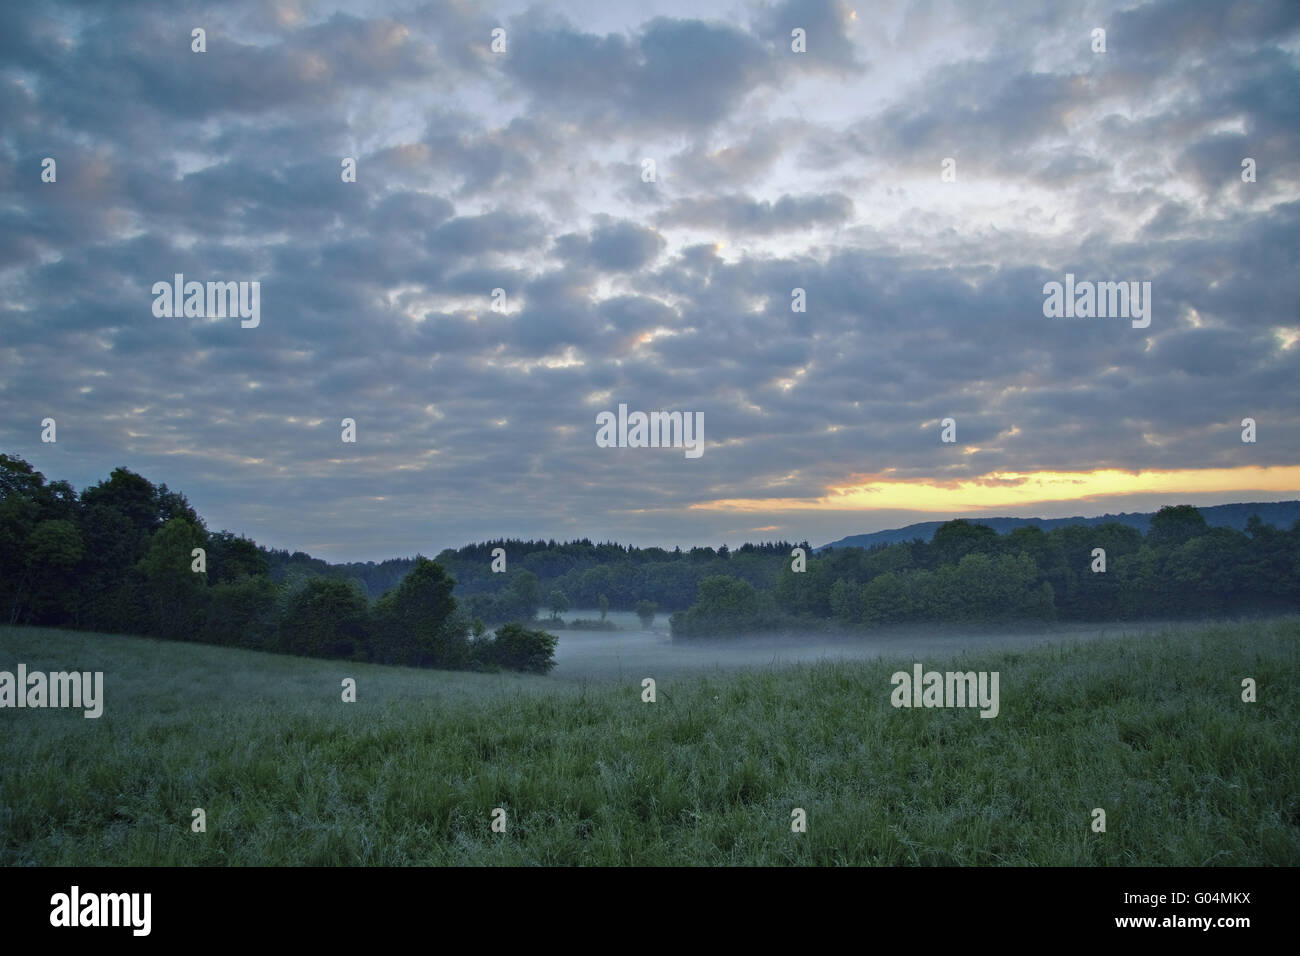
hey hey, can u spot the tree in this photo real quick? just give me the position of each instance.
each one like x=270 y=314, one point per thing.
x=1205 y=574
x=845 y=601
x=326 y=618
x=54 y=549
x=231 y=557
x=119 y=517
x=174 y=592
x=953 y=540
x=172 y=504
x=18 y=478
x=481 y=647
x=113 y=546
x=40 y=545
x=242 y=613
x=131 y=495
x=522 y=598
x=1267 y=573
x=18 y=517
x=1174 y=525
x=723 y=605
x=1080 y=592
x=558 y=604
x=646 y=610
x=885 y=600
x=593 y=582
x=418 y=622
x=604 y=606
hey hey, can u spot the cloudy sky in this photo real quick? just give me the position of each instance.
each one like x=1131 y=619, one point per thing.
x=774 y=170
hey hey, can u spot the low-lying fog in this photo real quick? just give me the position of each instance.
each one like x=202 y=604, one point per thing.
x=633 y=652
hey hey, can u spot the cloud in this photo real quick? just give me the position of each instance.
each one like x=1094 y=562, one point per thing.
x=522 y=171
x=742 y=214
x=666 y=74
x=614 y=247
x=826 y=25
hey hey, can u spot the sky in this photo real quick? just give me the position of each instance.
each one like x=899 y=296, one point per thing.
x=921 y=171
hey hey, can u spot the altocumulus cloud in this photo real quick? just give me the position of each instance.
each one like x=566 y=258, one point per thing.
x=523 y=171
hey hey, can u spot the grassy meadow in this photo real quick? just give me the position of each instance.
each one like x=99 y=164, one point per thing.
x=1152 y=729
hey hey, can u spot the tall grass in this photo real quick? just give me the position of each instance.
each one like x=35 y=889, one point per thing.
x=1151 y=729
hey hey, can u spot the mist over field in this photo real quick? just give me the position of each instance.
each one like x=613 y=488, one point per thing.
x=635 y=652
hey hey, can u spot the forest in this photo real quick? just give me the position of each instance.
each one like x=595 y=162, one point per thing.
x=128 y=556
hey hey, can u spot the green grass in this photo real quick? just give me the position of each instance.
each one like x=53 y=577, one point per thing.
x=1152 y=729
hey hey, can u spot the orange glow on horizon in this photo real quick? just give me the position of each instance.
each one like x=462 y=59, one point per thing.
x=1005 y=489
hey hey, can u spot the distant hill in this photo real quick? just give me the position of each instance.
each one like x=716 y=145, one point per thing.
x=1280 y=514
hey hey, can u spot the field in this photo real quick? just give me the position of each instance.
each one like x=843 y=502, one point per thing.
x=1150 y=728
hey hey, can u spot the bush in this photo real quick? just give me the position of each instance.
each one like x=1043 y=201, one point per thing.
x=520 y=648
x=583 y=624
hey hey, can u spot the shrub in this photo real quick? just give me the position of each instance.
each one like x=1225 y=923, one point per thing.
x=583 y=624
x=523 y=649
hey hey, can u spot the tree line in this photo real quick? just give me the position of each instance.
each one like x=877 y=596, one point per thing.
x=969 y=574
x=621 y=577
x=117 y=557
x=127 y=556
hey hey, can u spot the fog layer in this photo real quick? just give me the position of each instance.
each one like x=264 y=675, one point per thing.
x=634 y=652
